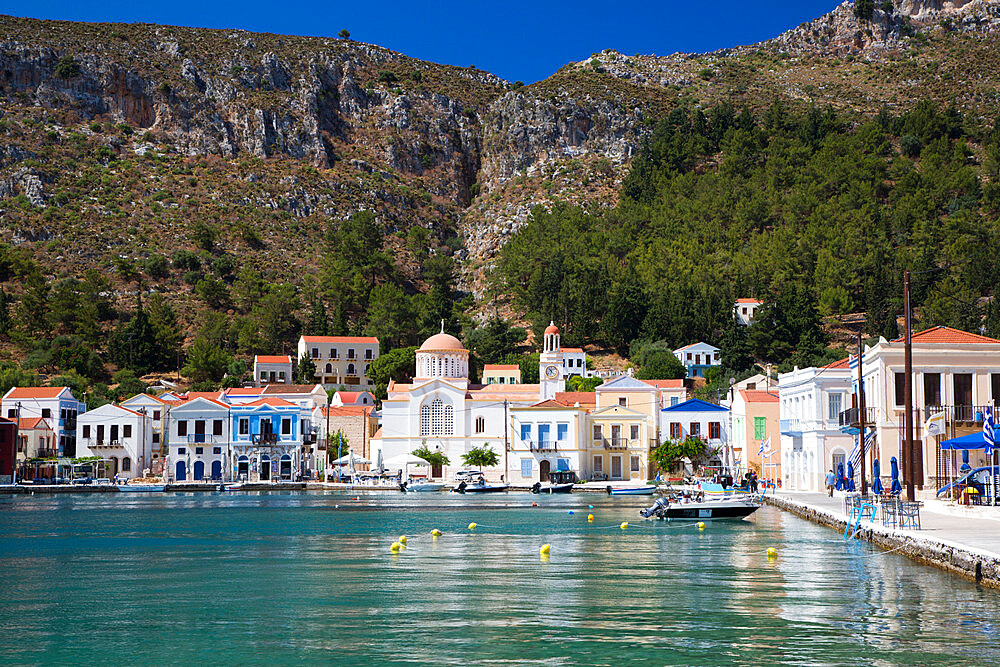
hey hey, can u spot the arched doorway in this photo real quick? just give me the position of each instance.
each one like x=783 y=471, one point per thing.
x=243 y=468
x=114 y=466
x=543 y=471
x=181 y=474
x=265 y=467
x=199 y=470
x=285 y=468
x=217 y=470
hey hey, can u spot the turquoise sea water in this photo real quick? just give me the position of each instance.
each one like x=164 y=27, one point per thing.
x=308 y=578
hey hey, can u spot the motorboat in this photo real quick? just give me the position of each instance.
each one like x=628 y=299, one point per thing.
x=142 y=488
x=560 y=481
x=479 y=485
x=420 y=486
x=631 y=490
x=687 y=509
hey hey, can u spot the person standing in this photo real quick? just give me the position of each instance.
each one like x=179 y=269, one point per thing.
x=831 y=479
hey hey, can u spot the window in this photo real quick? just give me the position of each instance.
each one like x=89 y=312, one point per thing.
x=449 y=420
x=900 y=388
x=244 y=426
x=333 y=353
x=425 y=419
x=12 y=413
x=199 y=450
x=697 y=359
x=932 y=389
x=695 y=429
x=281 y=376
x=350 y=353
x=263 y=376
x=995 y=386
x=368 y=355
x=216 y=450
x=634 y=464
x=512 y=380
x=622 y=401
x=834 y=405
x=100 y=432
x=562 y=431
x=46 y=413
x=86 y=430
x=598 y=464
x=714 y=430
x=351 y=369
x=156 y=438
x=315 y=353
x=759 y=428
x=525 y=432
x=329 y=369
x=480 y=425
x=597 y=432
x=127 y=431
x=543 y=433
x=286 y=426
x=182 y=428
x=126 y=464
x=114 y=432
x=217 y=427
x=689 y=356
x=674 y=400
x=182 y=450
x=633 y=432
x=526 y=467
x=156 y=415
x=675 y=430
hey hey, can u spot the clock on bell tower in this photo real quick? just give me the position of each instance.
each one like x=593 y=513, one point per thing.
x=550 y=364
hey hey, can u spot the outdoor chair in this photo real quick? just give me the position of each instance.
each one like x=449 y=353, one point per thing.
x=908 y=514
x=890 y=512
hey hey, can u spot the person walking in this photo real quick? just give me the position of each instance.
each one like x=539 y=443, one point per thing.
x=831 y=479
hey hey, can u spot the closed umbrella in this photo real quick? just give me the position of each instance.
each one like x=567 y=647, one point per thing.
x=877 y=481
x=895 y=488
x=849 y=482
x=840 y=477
x=379 y=465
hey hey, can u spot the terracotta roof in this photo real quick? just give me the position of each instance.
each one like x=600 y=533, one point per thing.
x=378 y=433
x=551 y=403
x=442 y=341
x=351 y=396
x=272 y=359
x=273 y=401
x=33 y=422
x=573 y=350
x=288 y=389
x=501 y=367
x=210 y=395
x=347 y=410
x=759 y=396
x=749 y=301
x=552 y=328
x=943 y=334
x=572 y=397
x=244 y=391
x=499 y=392
x=36 y=392
x=363 y=340
x=843 y=363
x=666 y=384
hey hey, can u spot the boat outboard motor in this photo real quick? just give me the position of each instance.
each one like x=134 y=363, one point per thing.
x=656 y=508
x=536 y=487
x=461 y=486
x=402 y=486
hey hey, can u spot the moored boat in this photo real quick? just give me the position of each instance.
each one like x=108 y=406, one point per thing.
x=420 y=487
x=480 y=486
x=560 y=481
x=631 y=490
x=142 y=488
x=738 y=507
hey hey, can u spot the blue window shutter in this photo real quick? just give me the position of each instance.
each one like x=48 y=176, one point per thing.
x=562 y=431
x=526 y=467
x=525 y=431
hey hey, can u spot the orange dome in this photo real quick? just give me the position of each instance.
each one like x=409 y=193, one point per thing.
x=442 y=341
x=551 y=329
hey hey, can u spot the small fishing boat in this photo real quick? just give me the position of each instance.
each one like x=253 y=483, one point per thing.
x=560 y=481
x=416 y=486
x=737 y=507
x=479 y=485
x=631 y=490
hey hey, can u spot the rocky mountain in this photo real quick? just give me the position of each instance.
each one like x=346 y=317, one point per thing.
x=114 y=137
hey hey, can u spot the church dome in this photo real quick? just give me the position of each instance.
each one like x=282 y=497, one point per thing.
x=442 y=341
x=552 y=328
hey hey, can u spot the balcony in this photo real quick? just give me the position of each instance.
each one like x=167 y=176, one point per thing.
x=542 y=445
x=264 y=438
x=961 y=414
x=309 y=439
x=850 y=418
x=615 y=443
x=204 y=439
x=793 y=427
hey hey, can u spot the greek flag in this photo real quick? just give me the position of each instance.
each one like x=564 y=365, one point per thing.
x=765 y=447
x=761 y=450
x=989 y=434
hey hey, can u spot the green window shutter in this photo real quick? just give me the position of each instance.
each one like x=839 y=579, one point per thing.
x=758 y=428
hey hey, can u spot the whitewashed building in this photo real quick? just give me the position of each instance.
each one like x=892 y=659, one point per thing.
x=342 y=399
x=118 y=434
x=697 y=358
x=547 y=437
x=199 y=441
x=56 y=405
x=745 y=310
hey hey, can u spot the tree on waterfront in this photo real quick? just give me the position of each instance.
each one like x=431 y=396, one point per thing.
x=670 y=452
x=337 y=445
x=481 y=457
x=435 y=458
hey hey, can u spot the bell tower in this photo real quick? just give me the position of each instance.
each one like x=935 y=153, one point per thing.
x=550 y=364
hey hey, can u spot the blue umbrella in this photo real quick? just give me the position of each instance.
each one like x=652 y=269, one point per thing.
x=877 y=481
x=840 y=477
x=895 y=489
x=849 y=482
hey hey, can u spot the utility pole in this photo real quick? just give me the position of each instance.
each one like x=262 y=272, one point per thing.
x=506 y=427
x=861 y=414
x=907 y=448
x=17 y=440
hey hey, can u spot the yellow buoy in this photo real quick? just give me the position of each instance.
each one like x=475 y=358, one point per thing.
x=590 y=518
x=472 y=526
x=624 y=525
x=544 y=551
x=395 y=547
x=701 y=525
x=436 y=532
x=402 y=539
x=772 y=553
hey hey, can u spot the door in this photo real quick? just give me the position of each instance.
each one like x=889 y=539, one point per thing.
x=543 y=471
x=243 y=468
x=963 y=397
x=285 y=468
x=616 y=435
x=181 y=474
x=616 y=467
x=265 y=467
x=199 y=470
x=216 y=470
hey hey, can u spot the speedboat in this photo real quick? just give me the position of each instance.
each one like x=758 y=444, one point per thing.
x=560 y=481
x=415 y=486
x=479 y=485
x=631 y=490
x=142 y=488
x=737 y=507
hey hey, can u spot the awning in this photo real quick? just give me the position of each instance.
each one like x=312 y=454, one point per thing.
x=972 y=441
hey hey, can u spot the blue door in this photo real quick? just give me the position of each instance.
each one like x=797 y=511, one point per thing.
x=216 y=470
x=181 y=471
x=199 y=470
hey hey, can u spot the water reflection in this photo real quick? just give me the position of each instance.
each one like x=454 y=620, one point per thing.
x=309 y=578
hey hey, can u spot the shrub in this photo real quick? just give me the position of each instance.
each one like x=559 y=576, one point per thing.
x=156 y=266
x=67 y=68
x=185 y=260
x=864 y=9
x=910 y=145
x=387 y=77
x=344 y=34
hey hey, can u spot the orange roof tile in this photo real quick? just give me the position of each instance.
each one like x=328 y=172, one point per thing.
x=759 y=396
x=32 y=423
x=244 y=391
x=288 y=389
x=573 y=350
x=272 y=359
x=341 y=339
x=378 y=433
x=942 y=334
x=36 y=392
x=550 y=403
x=744 y=300
x=843 y=363
x=581 y=397
x=666 y=384
x=501 y=367
x=273 y=401
x=210 y=395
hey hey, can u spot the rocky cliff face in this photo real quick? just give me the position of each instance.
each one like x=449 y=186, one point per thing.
x=313 y=129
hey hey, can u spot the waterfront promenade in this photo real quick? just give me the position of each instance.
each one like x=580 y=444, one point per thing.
x=950 y=537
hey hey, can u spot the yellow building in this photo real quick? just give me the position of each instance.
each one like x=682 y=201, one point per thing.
x=623 y=430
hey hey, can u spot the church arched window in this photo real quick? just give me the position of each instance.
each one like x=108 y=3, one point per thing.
x=480 y=424
x=425 y=419
x=449 y=420
x=437 y=416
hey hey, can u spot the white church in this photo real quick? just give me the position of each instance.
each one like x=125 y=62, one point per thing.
x=441 y=409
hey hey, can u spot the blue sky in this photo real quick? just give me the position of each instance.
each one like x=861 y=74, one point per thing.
x=517 y=40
